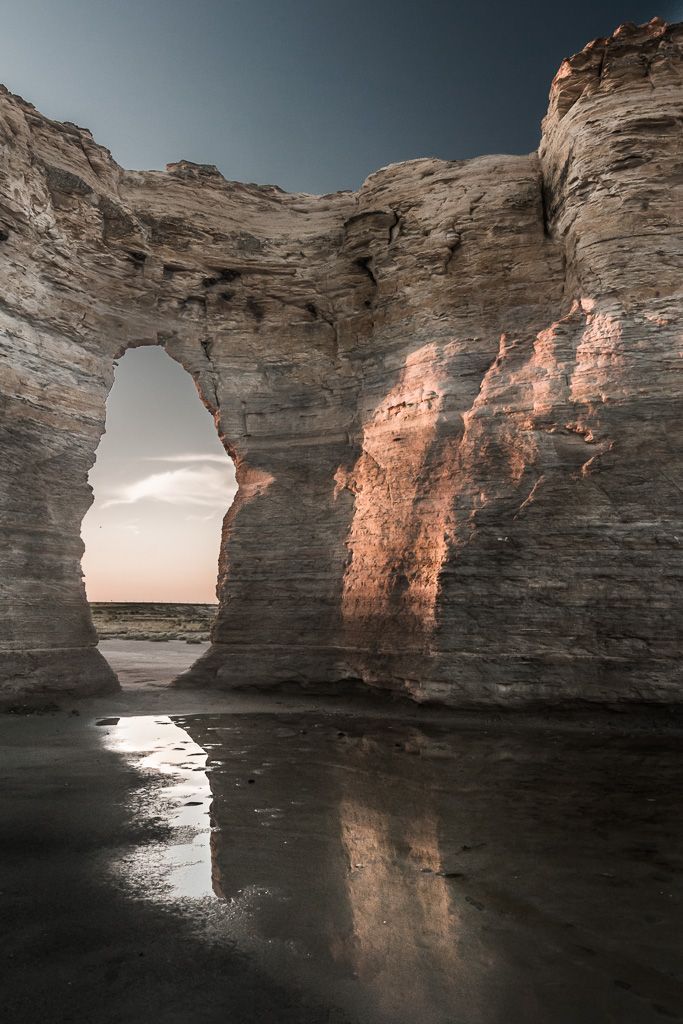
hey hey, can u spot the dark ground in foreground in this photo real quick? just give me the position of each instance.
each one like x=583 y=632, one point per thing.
x=265 y=859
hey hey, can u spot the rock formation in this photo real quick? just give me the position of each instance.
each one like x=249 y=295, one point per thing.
x=453 y=398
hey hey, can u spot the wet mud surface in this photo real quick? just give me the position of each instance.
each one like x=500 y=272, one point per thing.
x=150 y=663
x=323 y=867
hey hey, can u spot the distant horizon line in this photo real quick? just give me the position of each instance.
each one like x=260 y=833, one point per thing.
x=157 y=602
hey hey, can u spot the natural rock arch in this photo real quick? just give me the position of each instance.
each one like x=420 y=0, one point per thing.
x=452 y=398
x=162 y=483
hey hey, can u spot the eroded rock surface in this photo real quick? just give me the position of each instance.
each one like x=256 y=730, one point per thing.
x=453 y=398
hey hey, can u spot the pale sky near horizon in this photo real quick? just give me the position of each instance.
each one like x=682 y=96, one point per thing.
x=162 y=484
x=307 y=94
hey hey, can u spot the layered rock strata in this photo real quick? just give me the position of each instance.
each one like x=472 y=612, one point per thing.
x=452 y=398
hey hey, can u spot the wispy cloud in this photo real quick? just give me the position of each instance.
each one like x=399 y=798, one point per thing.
x=203 y=487
x=212 y=516
x=224 y=460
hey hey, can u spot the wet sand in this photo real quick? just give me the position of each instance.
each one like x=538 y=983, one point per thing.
x=274 y=859
x=150 y=663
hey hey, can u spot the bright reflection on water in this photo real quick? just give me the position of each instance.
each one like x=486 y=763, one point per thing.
x=158 y=745
x=325 y=870
x=407 y=875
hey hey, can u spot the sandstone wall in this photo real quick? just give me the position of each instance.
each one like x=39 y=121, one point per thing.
x=452 y=398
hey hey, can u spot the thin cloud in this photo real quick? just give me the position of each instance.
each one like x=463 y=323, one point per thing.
x=192 y=457
x=205 y=519
x=130 y=527
x=204 y=487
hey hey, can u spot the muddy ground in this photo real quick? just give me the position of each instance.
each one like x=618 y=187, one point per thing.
x=196 y=858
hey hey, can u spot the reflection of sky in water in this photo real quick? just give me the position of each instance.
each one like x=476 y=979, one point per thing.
x=157 y=744
x=397 y=874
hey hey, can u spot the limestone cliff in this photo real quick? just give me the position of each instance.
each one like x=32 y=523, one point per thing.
x=453 y=398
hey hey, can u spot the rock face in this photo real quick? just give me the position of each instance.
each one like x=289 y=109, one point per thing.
x=453 y=398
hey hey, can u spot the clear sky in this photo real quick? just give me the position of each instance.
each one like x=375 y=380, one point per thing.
x=311 y=95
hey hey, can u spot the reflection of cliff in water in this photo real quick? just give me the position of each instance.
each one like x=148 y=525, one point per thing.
x=402 y=874
x=329 y=838
x=404 y=943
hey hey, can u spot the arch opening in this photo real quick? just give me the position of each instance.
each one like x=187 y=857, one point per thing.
x=162 y=484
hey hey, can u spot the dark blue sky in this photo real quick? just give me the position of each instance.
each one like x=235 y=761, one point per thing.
x=309 y=95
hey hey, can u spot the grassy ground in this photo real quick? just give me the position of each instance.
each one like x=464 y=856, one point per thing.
x=153 y=621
